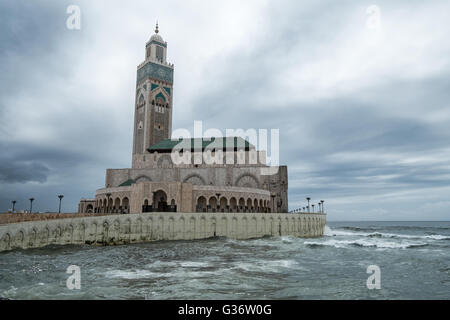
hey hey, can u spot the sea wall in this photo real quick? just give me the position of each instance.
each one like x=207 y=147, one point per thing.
x=134 y=228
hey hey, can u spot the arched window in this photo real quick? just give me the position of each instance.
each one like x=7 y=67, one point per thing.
x=201 y=204
x=159 y=53
x=160 y=102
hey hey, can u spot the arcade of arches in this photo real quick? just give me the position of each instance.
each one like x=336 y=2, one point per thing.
x=179 y=197
x=233 y=204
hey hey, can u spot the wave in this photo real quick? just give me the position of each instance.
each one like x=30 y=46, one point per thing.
x=269 y=266
x=373 y=228
x=194 y=264
x=147 y=274
x=364 y=243
x=333 y=233
x=407 y=236
x=133 y=274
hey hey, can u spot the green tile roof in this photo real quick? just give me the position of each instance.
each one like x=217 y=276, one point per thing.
x=127 y=183
x=225 y=143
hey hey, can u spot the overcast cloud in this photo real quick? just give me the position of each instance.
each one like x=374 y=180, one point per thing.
x=364 y=115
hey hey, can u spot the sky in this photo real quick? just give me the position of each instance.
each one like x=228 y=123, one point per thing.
x=359 y=91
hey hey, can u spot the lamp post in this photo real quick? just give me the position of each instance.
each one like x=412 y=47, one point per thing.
x=313 y=208
x=319 y=207
x=31 y=204
x=14 y=205
x=60 y=199
x=322 y=201
x=308 y=198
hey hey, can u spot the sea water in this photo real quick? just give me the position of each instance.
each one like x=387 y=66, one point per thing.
x=413 y=259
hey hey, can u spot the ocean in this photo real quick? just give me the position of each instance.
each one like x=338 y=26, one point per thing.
x=413 y=259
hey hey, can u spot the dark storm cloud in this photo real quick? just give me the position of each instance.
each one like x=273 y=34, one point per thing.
x=22 y=171
x=30 y=163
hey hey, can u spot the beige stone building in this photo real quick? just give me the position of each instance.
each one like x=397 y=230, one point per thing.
x=184 y=175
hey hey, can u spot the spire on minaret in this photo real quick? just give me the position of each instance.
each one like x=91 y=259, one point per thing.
x=156 y=30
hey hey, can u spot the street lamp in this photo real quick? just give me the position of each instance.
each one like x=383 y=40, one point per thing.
x=60 y=198
x=31 y=204
x=14 y=205
x=322 y=201
x=308 y=198
x=313 y=208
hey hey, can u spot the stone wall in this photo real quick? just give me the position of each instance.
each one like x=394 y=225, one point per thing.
x=134 y=228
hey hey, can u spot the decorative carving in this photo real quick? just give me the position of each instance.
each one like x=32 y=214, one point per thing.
x=247 y=181
x=195 y=179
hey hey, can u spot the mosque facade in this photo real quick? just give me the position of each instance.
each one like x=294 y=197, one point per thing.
x=223 y=174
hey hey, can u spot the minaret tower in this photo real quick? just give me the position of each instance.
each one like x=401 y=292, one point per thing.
x=154 y=92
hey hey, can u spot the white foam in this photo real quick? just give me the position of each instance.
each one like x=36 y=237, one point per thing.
x=409 y=236
x=437 y=237
x=287 y=239
x=271 y=265
x=159 y=263
x=365 y=243
x=335 y=233
x=194 y=264
x=132 y=274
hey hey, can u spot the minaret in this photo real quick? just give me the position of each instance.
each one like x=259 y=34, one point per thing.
x=154 y=92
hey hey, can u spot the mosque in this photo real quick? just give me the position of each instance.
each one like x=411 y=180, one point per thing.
x=223 y=174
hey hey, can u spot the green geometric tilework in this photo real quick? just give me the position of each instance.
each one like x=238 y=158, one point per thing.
x=155 y=71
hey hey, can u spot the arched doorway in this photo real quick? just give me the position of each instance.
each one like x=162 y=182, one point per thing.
x=201 y=204
x=160 y=201
x=212 y=204
x=125 y=205
x=223 y=205
x=233 y=204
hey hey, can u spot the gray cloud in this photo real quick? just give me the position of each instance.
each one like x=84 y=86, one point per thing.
x=363 y=127
x=21 y=171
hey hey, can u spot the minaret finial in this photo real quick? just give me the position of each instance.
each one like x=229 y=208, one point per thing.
x=156 y=30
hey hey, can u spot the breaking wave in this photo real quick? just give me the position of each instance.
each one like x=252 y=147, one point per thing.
x=333 y=233
x=373 y=228
x=346 y=237
x=364 y=243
